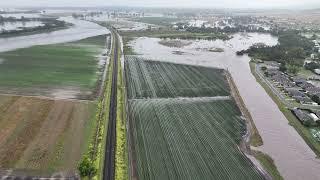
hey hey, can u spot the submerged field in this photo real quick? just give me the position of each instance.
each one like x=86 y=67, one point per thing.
x=184 y=124
x=45 y=135
x=69 y=70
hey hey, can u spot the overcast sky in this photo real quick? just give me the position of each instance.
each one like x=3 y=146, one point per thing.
x=170 y=3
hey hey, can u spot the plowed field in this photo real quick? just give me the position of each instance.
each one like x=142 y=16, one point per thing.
x=43 y=134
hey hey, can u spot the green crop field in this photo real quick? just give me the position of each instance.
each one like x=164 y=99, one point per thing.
x=181 y=139
x=184 y=124
x=151 y=79
x=74 y=65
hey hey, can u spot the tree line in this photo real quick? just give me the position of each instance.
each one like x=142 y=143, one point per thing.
x=292 y=49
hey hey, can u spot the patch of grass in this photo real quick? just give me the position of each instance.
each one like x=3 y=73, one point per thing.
x=173 y=34
x=293 y=121
x=268 y=164
x=127 y=49
x=161 y=21
x=121 y=166
x=96 y=40
x=175 y=43
x=96 y=149
x=90 y=127
x=305 y=73
x=255 y=138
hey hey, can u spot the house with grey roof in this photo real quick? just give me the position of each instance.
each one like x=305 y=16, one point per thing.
x=305 y=85
x=304 y=100
x=313 y=90
x=302 y=116
x=294 y=92
x=299 y=80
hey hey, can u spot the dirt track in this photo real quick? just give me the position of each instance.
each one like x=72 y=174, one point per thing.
x=42 y=134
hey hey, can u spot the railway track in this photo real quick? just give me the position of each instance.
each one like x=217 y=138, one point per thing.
x=109 y=159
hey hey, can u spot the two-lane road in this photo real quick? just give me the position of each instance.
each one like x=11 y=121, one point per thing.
x=109 y=160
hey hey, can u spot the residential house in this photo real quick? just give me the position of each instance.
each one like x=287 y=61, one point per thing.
x=282 y=80
x=299 y=80
x=313 y=90
x=305 y=85
x=304 y=100
x=294 y=92
x=317 y=71
x=301 y=115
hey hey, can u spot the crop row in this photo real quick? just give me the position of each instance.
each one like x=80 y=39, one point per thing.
x=183 y=140
x=184 y=123
x=151 y=79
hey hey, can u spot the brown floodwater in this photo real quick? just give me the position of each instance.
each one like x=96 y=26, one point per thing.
x=80 y=30
x=293 y=157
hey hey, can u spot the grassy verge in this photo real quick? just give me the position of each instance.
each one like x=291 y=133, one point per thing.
x=107 y=94
x=268 y=164
x=305 y=73
x=96 y=149
x=293 y=121
x=255 y=138
x=121 y=166
x=161 y=21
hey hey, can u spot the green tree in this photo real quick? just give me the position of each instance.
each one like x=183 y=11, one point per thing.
x=293 y=69
x=263 y=68
x=315 y=98
x=86 y=167
x=283 y=67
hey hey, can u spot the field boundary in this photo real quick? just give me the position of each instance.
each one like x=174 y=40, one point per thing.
x=47 y=98
x=252 y=137
x=132 y=162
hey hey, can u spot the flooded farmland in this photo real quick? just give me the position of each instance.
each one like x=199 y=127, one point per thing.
x=80 y=30
x=293 y=157
x=7 y=26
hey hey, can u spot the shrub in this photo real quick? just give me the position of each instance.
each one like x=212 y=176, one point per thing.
x=86 y=167
x=263 y=68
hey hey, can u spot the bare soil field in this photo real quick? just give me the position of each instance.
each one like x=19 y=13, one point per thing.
x=43 y=134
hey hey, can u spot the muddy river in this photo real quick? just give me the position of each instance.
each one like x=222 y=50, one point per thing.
x=80 y=30
x=293 y=157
